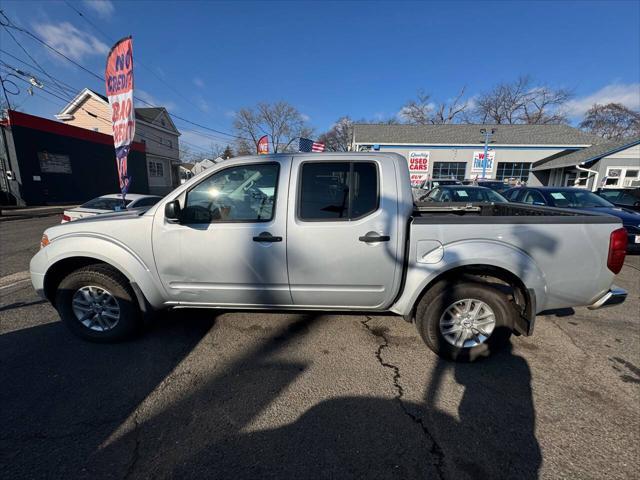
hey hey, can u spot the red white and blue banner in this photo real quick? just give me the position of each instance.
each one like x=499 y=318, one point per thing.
x=307 y=145
x=119 y=83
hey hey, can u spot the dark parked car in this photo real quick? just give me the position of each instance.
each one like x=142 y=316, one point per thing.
x=571 y=197
x=622 y=197
x=495 y=185
x=463 y=193
x=422 y=190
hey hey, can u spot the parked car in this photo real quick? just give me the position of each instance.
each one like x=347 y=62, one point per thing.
x=109 y=204
x=622 y=197
x=463 y=193
x=495 y=185
x=330 y=232
x=580 y=199
x=422 y=190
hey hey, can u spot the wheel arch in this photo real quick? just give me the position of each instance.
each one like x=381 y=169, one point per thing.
x=523 y=296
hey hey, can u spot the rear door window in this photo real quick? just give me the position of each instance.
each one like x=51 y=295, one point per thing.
x=337 y=191
x=533 y=198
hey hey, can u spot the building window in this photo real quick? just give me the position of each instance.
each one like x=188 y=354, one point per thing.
x=156 y=169
x=170 y=143
x=513 y=170
x=449 y=170
x=622 y=177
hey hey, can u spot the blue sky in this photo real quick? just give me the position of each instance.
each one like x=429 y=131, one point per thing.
x=363 y=59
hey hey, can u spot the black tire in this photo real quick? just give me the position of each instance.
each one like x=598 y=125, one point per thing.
x=108 y=278
x=434 y=303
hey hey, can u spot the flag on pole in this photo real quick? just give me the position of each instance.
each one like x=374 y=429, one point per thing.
x=119 y=85
x=306 y=145
x=263 y=145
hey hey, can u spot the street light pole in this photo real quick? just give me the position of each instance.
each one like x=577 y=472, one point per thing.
x=487 y=135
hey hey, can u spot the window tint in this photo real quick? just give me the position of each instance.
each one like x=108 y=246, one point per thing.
x=532 y=197
x=338 y=190
x=238 y=194
x=105 y=203
x=512 y=194
x=611 y=195
x=364 y=199
x=146 y=202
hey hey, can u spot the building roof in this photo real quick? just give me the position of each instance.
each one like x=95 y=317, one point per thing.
x=596 y=152
x=148 y=115
x=469 y=134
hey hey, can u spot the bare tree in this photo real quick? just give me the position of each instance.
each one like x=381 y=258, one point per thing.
x=215 y=151
x=452 y=111
x=280 y=121
x=418 y=111
x=612 y=121
x=339 y=136
x=423 y=111
x=185 y=153
x=522 y=102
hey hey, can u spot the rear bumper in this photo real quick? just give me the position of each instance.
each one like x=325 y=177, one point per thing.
x=615 y=296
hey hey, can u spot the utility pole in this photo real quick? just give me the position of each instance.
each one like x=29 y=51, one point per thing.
x=487 y=137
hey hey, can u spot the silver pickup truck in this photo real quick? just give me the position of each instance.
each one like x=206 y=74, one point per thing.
x=331 y=232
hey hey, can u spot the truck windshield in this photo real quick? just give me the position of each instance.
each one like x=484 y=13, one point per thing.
x=462 y=194
x=577 y=199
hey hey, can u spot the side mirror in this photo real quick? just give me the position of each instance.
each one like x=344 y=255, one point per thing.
x=172 y=210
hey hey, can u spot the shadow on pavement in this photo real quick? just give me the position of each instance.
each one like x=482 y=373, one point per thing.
x=63 y=398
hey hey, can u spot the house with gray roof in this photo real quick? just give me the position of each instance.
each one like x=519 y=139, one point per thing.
x=611 y=164
x=457 y=151
x=154 y=128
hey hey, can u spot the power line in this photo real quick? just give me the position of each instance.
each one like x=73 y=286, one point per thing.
x=10 y=24
x=112 y=40
x=74 y=90
x=108 y=122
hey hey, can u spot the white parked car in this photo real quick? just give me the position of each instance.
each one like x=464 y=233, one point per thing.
x=109 y=204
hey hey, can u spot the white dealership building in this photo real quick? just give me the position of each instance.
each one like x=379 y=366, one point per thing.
x=516 y=152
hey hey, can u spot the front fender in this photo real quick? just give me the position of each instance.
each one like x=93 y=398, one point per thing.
x=470 y=253
x=102 y=248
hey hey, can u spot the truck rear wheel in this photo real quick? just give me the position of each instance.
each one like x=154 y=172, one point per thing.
x=97 y=303
x=463 y=321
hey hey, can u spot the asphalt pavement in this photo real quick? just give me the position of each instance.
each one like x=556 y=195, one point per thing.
x=310 y=395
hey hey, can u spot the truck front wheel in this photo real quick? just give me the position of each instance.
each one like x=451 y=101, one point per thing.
x=466 y=320
x=97 y=303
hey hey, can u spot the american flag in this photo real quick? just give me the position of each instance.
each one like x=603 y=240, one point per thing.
x=307 y=145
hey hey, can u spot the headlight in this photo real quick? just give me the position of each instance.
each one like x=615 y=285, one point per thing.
x=44 y=241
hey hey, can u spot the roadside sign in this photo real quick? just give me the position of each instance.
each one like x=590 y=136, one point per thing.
x=418 y=167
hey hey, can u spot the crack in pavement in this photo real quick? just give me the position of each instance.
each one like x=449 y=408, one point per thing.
x=436 y=451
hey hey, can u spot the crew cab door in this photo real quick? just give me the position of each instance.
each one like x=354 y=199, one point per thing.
x=229 y=246
x=342 y=235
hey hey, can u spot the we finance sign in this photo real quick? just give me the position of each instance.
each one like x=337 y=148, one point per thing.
x=418 y=167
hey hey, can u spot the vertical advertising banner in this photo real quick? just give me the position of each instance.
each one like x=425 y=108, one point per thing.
x=476 y=166
x=263 y=145
x=418 y=167
x=119 y=83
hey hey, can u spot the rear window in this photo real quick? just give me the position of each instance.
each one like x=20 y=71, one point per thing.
x=471 y=195
x=337 y=190
x=105 y=203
